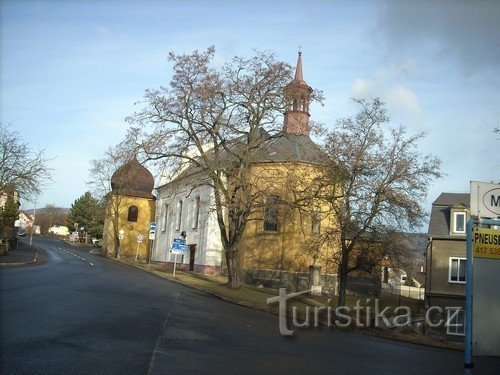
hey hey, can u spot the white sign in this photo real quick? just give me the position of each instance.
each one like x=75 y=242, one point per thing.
x=140 y=238
x=152 y=234
x=484 y=199
x=121 y=234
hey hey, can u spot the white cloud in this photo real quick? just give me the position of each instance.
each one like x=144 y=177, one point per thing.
x=401 y=101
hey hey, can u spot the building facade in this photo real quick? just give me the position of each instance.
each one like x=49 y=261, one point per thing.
x=130 y=208
x=446 y=264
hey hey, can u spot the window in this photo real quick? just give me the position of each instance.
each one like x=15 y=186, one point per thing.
x=316 y=222
x=271 y=214
x=133 y=212
x=179 y=216
x=459 y=219
x=455 y=323
x=457 y=270
x=196 y=213
x=164 y=219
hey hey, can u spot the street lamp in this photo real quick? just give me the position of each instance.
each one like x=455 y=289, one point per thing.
x=33 y=225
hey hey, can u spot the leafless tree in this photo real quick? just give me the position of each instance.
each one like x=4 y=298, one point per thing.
x=210 y=119
x=379 y=181
x=21 y=168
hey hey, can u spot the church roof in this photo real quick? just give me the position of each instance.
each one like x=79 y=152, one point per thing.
x=287 y=147
x=133 y=179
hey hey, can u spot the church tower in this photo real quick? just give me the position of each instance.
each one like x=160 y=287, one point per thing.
x=297 y=98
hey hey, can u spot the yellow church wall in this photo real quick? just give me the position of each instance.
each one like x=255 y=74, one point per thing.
x=128 y=245
x=293 y=247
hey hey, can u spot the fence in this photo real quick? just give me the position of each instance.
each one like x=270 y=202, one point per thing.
x=404 y=291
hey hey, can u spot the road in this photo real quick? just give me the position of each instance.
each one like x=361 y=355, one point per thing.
x=81 y=313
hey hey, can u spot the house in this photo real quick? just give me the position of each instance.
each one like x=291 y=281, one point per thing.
x=276 y=248
x=130 y=208
x=59 y=230
x=446 y=264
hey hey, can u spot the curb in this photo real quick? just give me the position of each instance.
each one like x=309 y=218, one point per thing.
x=23 y=263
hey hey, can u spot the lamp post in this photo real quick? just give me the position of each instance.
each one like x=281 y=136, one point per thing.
x=33 y=225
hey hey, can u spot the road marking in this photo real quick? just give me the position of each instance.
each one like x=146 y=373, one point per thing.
x=75 y=255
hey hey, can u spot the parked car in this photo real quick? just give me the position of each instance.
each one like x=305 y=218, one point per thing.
x=21 y=232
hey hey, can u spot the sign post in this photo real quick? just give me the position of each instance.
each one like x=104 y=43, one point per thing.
x=140 y=238
x=483 y=253
x=152 y=234
x=178 y=247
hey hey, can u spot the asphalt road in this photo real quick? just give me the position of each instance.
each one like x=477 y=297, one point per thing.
x=81 y=313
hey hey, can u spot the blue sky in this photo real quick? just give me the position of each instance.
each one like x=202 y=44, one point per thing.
x=71 y=71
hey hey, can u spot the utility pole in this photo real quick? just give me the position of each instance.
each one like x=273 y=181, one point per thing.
x=33 y=225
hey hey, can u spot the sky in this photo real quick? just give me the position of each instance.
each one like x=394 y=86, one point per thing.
x=72 y=71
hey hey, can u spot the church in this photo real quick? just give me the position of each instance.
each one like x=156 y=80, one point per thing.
x=275 y=249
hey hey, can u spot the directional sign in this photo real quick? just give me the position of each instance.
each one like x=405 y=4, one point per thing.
x=178 y=246
x=152 y=225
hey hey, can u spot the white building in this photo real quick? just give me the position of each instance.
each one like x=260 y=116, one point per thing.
x=185 y=204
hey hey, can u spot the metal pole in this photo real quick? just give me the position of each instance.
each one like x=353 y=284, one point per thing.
x=33 y=225
x=175 y=262
x=137 y=252
x=468 y=299
x=150 y=250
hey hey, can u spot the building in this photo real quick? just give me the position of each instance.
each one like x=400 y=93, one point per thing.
x=277 y=247
x=130 y=209
x=446 y=263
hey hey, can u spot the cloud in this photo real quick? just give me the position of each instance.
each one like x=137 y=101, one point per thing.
x=401 y=101
x=464 y=31
x=102 y=31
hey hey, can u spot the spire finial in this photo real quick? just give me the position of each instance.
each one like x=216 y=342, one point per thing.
x=298 y=71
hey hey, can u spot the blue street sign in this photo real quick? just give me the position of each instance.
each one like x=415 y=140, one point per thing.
x=152 y=225
x=178 y=246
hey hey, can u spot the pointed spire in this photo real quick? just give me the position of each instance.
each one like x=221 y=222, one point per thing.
x=298 y=71
x=297 y=97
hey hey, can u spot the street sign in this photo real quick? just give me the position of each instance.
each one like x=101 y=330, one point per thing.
x=140 y=238
x=484 y=200
x=486 y=243
x=152 y=225
x=178 y=246
x=152 y=234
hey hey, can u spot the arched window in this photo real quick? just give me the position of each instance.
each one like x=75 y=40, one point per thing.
x=133 y=212
x=271 y=214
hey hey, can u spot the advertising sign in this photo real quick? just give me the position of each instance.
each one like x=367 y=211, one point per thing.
x=484 y=200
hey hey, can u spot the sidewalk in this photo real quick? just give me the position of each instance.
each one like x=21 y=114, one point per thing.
x=23 y=255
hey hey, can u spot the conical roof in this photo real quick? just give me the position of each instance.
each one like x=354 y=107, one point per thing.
x=133 y=179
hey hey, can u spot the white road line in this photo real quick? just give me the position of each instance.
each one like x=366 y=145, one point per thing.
x=91 y=263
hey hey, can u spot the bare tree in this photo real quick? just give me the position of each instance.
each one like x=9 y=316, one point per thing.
x=379 y=181
x=21 y=168
x=210 y=119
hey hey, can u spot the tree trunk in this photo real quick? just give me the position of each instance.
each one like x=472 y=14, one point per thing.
x=233 y=268
x=116 y=248
x=342 y=276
